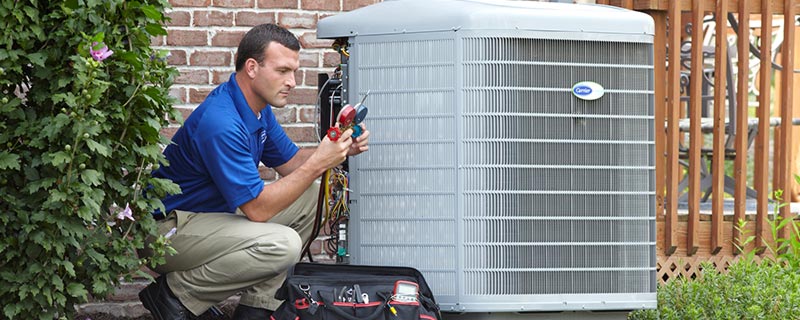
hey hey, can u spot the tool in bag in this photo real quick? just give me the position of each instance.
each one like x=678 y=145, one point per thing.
x=351 y=292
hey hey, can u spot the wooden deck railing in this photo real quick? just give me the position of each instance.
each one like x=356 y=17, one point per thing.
x=755 y=19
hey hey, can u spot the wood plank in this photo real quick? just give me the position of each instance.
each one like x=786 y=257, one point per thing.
x=718 y=160
x=673 y=132
x=762 y=138
x=627 y=4
x=740 y=144
x=660 y=99
x=695 y=134
x=686 y=5
x=602 y=2
x=681 y=231
x=785 y=140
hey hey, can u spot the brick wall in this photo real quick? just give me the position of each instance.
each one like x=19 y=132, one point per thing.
x=202 y=39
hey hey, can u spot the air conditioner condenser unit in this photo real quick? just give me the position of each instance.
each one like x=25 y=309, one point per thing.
x=511 y=151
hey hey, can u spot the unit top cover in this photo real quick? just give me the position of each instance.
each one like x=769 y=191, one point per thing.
x=420 y=16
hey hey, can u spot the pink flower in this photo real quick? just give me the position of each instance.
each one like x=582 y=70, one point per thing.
x=101 y=53
x=127 y=213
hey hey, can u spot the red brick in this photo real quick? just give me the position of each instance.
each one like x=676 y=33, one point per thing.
x=168 y=132
x=177 y=58
x=301 y=134
x=157 y=41
x=319 y=5
x=298 y=77
x=278 y=4
x=348 y=5
x=211 y=58
x=320 y=251
x=185 y=112
x=227 y=38
x=297 y=20
x=267 y=173
x=213 y=18
x=309 y=59
x=190 y=3
x=310 y=78
x=178 y=93
x=179 y=18
x=233 y=3
x=198 y=95
x=192 y=77
x=220 y=77
x=249 y=18
x=309 y=40
x=187 y=38
x=285 y=114
x=331 y=59
x=308 y=115
x=303 y=96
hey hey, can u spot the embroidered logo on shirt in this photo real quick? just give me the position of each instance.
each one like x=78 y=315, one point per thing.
x=263 y=136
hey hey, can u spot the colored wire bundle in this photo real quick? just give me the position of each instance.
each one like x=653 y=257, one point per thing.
x=335 y=198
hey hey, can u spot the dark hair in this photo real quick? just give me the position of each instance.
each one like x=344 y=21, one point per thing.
x=257 y=39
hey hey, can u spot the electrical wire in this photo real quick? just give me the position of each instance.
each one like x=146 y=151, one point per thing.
x=335 y=183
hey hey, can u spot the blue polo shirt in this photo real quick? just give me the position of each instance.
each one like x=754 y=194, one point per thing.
x=214 y=156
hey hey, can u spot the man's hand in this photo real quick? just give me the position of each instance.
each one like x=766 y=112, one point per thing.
x=331 y=153
x=361 y=143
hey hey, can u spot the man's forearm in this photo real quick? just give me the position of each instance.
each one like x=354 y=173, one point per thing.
x=280 y=194
x=298 y=160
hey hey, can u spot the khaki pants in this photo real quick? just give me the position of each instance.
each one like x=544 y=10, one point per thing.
x=221 y=254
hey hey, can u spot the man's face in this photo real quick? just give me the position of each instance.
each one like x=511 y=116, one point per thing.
x=274 y=77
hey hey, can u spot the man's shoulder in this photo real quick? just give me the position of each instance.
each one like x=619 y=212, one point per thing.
x=217 y=107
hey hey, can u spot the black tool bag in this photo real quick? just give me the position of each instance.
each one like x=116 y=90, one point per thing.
x=351 y=292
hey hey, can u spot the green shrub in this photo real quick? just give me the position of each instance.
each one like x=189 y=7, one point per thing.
x=750 y=290
x=79 y=137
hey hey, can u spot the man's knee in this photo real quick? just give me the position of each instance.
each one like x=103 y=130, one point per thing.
x=281 y=248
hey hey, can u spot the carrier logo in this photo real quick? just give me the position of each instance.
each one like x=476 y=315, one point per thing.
x=588 y=90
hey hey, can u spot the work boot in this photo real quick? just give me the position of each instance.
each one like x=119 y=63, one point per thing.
x=244 y=312
x=162 y=304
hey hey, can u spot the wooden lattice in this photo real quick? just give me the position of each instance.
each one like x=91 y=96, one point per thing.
x=672 y=267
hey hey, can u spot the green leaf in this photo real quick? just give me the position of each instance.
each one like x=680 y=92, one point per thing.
x=37 y=59
x=77 y=290
x=100 y=286
x=99 y=258
x=57 y=282
x=12 y=309
x=166 y=185
x=71 y=4
x=60 y=157
x=91 y=177
x=152 y=13
x=57 y=196
x=99 y=148
x=9 y=160
x=98 y=37
x=155 y=29
x=31 y=12
x=69 y=267
x=40 y=184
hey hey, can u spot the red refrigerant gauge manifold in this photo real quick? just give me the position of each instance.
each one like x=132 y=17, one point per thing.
x=349 y=117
